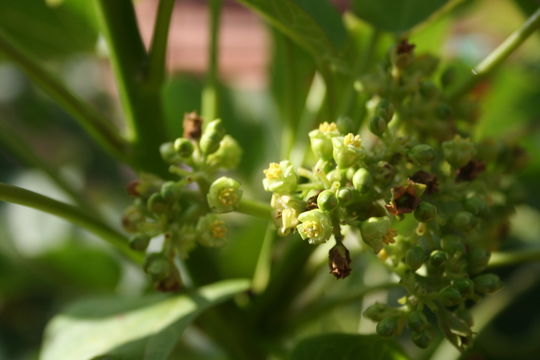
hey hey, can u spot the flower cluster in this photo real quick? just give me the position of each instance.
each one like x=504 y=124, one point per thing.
x=422 y=195
x=185 y=211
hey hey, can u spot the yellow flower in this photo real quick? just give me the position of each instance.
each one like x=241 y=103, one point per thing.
x=273 y=172
x=327 y=127
x=352 y=140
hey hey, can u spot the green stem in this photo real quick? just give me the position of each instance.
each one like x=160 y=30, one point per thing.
x=87 y=118
x=255 y=208
x=141 y=103
x=70 y=213
x=210 y=102
x=21 y=150
x=493 y=60
x=158 y=47
x=264 y=261
x=499 y=259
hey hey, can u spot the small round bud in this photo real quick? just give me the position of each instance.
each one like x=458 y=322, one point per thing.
x=438 y=258
x=157 y=204
x=139 y=242
x=425 y=212
x=464 y=286
x=476 y=205
x=347 y=150
x=374 y=231
x=168 y=153
x=345 y=196
x=417 y=321
x=377 y=311
x=388 y=326
x=321 y=140
x=450 y=296
x=415 y=257
x=171 y=191
x=327 y=200
x=228 y=154
x=477 y=260
x=487 y=283
x=362 y=180
x=346 y=125
x=280 y=178
x=157 y=266
x=212 y=136
x=377 y=125
x=452 y=244
x=448 y=77
x=428 y=89
x=422 y=339
x=464 y=221
x=385 y=110
x=458 y=152
x=212 y=230
x=183 y=147
x=422 y=154
x=224 y=195
x=316 y=226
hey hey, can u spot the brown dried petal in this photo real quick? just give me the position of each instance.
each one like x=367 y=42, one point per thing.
x=430 y=180
x=404 y=199
x=192 y=126
x=339 y=261
x=470 y=171
x=404 y=47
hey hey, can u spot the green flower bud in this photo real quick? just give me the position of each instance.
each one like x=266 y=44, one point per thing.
x=321 y=140
x=377 y=311
x=212 y=230
x=362 y=180
x=428 y=89
x=422 y=339
x=415 y=257
x=452 y=244
x=464 y=286
x=157 y=266
x=449 y=296
x=464 y=221
x=377 y=125
x=465 y=315
x=327 y=200
x=168 y=153
x=388 y=326
x=476 y=205
x=422 y=154
x=384 y=110
x=157 y=204
x=224 y=195
x=477 y=260
x=458 y=152
x=417 y=321
x=211 y=137
x=487 y=283
x=347 y=150
x=345 y=196
x=280 y=178
x=171 y=191
x=448 y=77
x=425 y=212
x=228 y=154
x=139 y=242
x=316 y=226
x=183 y=147
x=438 y=258
x=346 y=125
x=374 y=232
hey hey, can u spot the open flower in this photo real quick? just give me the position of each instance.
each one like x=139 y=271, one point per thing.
x=347 y=150
x=212 y=231
x=321 y=140
x=315 y=226
x=280 y=178
x=224 y=195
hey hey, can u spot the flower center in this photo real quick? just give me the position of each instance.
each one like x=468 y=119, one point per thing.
x=218 y=229
x=352 y=140
x=228 y=197
x=327 y=127
x=312 y=229
x=273 y=172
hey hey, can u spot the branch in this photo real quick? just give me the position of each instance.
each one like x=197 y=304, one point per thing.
x=498 y=55
x=70 y=213
x=158 y=47
x=89 y=119
x=209 y=95
x=499 y=259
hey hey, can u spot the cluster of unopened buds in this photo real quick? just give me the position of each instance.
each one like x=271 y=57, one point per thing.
x=428 y=200
x=185 y=211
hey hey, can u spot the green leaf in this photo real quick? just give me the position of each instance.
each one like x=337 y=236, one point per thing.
x=396 y=16
x=347 y=347
x=129 y=328
x=49 y=31
x=314 y=25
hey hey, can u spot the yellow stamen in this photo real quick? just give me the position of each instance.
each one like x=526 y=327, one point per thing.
x=218 y=229
x=327 y=127
x=228 y=197
x=273 y=172
x=353 y=140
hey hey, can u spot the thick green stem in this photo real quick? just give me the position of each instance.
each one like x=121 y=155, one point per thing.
x=210 y=101
x=141 y=103
x=89 y=119
x=255 y=208
x=509 y=258
x=70 y=213
x=23 y=151
x=262 y=272
x=493 y=60
x=158 y=47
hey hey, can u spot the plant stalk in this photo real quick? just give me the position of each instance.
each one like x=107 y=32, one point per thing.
x=210 y=99
x=158 y=47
